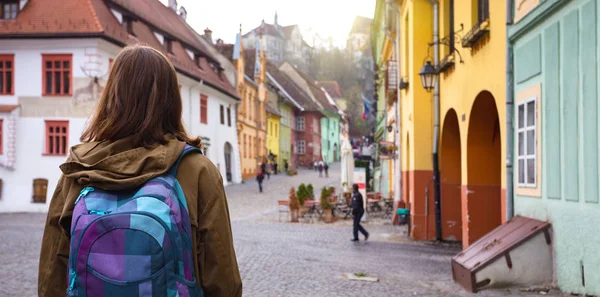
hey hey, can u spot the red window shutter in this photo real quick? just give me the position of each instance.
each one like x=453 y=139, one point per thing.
x=203 y=109
x=57 y=138
x=57 y=74
x=7 y=74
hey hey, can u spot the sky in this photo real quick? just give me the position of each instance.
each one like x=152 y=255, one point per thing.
x=328 y=18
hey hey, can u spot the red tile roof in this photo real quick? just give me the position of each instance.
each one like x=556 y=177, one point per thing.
x=317 y=92
x=291 y=88
x=266 y=29
x=272 y=110
x=332 y=88
x=226 y=50
x=93 y=18
x=249 y=62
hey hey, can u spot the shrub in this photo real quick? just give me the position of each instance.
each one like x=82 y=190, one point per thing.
x=326 y=198
x=302 y=193
x=311 y=192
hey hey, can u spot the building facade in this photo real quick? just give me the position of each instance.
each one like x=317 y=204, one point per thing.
x=555 y=131
x=273 y=132
x=55 y=83
x=281 y=43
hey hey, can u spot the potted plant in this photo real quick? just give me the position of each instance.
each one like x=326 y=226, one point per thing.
x=302 y=195
x=326 y=205
x=294 y=205
x=311 y=192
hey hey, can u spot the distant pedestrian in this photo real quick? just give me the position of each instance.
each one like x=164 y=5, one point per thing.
x=268 y=171
x=263 y=168
x=316 y=165
x=285 y=165
x=326 y=167
x=259 y=178
x=357 y=211
x=320 y=168
x=275 y=168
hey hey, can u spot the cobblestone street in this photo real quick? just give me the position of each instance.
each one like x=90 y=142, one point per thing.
x=278 y=258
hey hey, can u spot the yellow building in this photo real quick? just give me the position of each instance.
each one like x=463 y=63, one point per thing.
x=416 y=114
x=273 y=135
x=470 y=140
x=251 y=74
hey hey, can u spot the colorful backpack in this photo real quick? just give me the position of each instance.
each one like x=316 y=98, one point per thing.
x=133 y=243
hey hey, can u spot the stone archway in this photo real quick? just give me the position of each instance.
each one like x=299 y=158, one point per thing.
x=450 y=171
x=481 y=197
x=228 y=160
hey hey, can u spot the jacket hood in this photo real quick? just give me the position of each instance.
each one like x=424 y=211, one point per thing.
x=119 y=165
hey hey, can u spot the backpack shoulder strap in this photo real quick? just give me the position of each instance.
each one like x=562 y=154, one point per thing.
x=186 y=150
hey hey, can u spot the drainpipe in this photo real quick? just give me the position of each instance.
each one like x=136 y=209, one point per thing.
x=398 y=111
x=436 y=125
x=509 y=115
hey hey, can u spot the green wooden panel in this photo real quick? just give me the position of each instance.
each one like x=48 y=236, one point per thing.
x=551 y=116
x=589 y=111
x=528 y=59
x=570 y=98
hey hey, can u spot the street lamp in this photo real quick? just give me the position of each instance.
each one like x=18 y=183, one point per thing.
x=428 y=76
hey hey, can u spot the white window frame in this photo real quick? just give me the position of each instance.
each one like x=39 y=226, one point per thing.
x=300 y=124
x=300 y=147
x=525 y=156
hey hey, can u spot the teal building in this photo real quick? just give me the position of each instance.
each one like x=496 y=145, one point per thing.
x=554 y=91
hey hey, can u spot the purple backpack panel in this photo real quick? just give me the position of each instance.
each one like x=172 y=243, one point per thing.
x=133 y=243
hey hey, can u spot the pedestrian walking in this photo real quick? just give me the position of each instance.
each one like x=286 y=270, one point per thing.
x=320 y=168
x=269 y=169
x=316 y=165
x=326 y=168
x=263 y=168
x=136 y=143
x=275 y=168
x=285 y=165
x=260 y=177
x=357 y=211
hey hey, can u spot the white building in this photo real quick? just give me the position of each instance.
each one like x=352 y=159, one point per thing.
x=52 y=71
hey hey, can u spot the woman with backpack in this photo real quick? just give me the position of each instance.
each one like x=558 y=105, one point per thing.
x=138 y=210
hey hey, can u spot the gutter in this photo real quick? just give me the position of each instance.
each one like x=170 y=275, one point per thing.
x=510 y=209
x=436 y=126
x=284 y=92
x=250 y=80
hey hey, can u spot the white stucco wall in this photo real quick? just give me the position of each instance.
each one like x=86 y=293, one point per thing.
x=93 y=55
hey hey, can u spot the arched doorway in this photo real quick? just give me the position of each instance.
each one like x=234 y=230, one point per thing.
x=228 y=149
x=482 y=196
x=451 y=178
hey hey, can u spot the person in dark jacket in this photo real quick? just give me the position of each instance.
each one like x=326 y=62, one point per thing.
x=285 y=165
x=326 y=167
x=357 y=211
x=259 y=178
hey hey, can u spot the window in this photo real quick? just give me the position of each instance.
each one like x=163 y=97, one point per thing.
x=128 y=24
x=245 y=147
x=481 y=11
x=57 y=138
x=527 y=146
x=9 y=9
x=169 y=45
x=300 y=147
x=203 y=109
x=229 y=116
x=222 y=114
x=57 y=77
x=300 y=123
x=7 y=74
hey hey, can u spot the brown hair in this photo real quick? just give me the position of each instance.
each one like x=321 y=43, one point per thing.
x=141 y=99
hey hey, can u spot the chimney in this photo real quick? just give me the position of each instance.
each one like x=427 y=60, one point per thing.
x=182 y=13
x=173 y=5
x=208 y=35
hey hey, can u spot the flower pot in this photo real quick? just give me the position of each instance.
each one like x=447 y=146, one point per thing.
x=328 y=216
x=294 y=216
